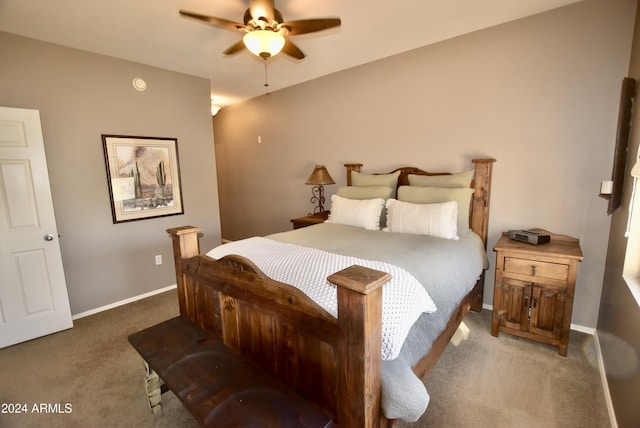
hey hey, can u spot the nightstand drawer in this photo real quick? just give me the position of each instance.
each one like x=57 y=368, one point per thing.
x=536 y=268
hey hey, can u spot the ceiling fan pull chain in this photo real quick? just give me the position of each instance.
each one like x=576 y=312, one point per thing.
x=266 y=82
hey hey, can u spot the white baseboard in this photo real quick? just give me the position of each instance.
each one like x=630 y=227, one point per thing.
x=605 y=384
x=583 y=329
x=122 y=302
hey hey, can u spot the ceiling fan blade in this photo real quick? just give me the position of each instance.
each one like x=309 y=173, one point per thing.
x=305 y=26
x=235 y=48
x=292 y=50
x=216 y=22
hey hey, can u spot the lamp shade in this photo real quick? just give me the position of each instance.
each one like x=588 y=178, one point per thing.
x=320 y=175
x=263 y=43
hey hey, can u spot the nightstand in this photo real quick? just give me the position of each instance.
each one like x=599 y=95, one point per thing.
x=310 y=219
x=534 y=289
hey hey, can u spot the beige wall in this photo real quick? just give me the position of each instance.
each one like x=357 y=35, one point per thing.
x=81 y=96
x=539 y=94
x=619 y=320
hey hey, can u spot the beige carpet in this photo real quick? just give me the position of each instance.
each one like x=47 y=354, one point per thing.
x=89 y=376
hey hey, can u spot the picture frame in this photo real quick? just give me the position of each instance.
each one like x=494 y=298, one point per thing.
x=143 y=176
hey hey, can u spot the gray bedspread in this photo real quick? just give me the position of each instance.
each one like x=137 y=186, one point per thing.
x=448 y=269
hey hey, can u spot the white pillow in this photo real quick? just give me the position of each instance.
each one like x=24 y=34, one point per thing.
x=439 y=220
x=369 y=192
x=435 y=195
x=359 y=213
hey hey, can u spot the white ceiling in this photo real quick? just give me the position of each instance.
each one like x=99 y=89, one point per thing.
x=151 y=32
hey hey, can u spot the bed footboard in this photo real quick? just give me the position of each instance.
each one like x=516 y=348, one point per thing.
x=288 y=334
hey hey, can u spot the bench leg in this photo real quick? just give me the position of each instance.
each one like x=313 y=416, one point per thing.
x=153 y=385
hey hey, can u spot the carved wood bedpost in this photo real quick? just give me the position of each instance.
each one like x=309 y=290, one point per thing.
x=480 y=216
x=360 y=345
x=481 y=198
x=185 y=244
x=352 y=167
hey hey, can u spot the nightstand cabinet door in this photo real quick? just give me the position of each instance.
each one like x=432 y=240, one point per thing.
x=547 y=312
x=514 y=304
x=530 y=307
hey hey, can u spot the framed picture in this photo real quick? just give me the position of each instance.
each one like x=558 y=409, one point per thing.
x=144 y=177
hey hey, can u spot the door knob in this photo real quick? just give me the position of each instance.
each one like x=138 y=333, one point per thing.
x=48 y=237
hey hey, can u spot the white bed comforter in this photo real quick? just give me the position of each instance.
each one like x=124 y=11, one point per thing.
x=403 y=297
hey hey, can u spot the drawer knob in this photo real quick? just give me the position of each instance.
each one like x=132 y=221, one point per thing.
x=533 y=270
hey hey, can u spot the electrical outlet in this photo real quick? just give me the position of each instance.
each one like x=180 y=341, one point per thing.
x=159 y=259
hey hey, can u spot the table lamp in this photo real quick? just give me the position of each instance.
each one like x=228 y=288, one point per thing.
x=319 y=177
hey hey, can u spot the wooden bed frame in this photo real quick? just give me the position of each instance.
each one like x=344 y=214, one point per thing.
x=292 y=337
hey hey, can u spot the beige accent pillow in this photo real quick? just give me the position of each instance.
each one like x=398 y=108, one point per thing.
x=432 y=195
x=462 y=179
x=389 y=180
x=439 y=220
x=359 y=213
x=367 y=192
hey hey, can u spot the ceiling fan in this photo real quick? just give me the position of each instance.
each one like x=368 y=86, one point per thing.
x=266 y=30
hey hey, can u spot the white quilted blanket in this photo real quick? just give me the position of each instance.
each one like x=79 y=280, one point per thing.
x=403 y=298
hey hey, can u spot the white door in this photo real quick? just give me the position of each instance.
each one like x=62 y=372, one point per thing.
x=33 y=292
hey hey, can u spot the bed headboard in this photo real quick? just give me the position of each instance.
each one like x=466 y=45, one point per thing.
x=481 y=184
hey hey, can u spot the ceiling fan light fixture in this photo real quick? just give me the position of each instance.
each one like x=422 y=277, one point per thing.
x=264 y=43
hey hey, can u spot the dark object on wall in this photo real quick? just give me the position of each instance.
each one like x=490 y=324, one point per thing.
x=627 y=94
